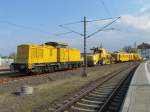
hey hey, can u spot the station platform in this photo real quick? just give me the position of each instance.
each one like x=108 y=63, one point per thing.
x=138 y=96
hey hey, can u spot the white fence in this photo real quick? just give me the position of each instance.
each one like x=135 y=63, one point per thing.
x=6 y=61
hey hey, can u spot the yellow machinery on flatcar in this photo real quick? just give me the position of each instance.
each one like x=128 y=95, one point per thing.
x=121 y=57
x=137 y=57
x=99 y=56
x=46 y=58
x=126 y=57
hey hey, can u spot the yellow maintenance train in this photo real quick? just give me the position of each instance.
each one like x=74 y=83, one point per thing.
x=53 y=56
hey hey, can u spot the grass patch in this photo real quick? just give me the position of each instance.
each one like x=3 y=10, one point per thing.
x=51 y=91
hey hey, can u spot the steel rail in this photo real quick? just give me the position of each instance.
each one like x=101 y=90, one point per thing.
x=97 y=83
x=115 y=91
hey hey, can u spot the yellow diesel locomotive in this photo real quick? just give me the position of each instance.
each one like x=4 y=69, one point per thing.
x=51 y=56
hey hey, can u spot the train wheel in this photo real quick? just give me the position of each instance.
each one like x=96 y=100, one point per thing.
x=46 y=69
x=50 y=69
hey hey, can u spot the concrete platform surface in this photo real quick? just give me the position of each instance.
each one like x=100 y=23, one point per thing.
x=138 y=96
x=4 y=67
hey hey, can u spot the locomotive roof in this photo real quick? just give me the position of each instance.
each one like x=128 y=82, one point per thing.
x=56 y=44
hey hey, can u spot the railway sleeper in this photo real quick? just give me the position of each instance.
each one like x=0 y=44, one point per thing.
x=79 y=109
x=86 y=105
x=95 y=98
x=108 y=88
x=97 y=95
x=119 y=97
x=113 y=108
x=123 y=89
x=116 y=100
x=116 y=104
x=109 y=85
x=101 y=92
x=105 y=88
x=110 y=82
x=91 y=101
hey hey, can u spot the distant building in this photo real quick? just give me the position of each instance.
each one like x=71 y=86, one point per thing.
x=144 y=50
x=0 y=61
x=6 y=61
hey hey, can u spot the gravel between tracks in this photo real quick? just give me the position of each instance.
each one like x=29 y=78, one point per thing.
x=48 y=89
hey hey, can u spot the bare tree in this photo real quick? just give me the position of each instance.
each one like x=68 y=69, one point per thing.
x=127 y=49
x=133 y=50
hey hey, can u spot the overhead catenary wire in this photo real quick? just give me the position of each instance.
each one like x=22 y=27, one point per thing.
x=69 y=29
x=109 y=29
x=105 y=7
x=71 y=23
x=103 y=28
x=64 y=26
x=25 y=27
x=60 y=34
x=104 y=19
x=124 y=30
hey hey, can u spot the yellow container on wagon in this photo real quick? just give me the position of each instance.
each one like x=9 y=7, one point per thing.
x=131 y=56
x=68 y=55
x=137 y=57
x=124 y=56
x=121 y=56
x=31 y=54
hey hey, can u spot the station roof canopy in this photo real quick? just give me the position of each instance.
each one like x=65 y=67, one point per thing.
x=56 y=44
x=144 y=46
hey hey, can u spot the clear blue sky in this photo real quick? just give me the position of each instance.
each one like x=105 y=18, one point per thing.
x=46 y=15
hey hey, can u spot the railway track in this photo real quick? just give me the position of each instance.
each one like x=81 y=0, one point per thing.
x=19 y=77
x=10 y=76
x=105 y=94
x=6 y=69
